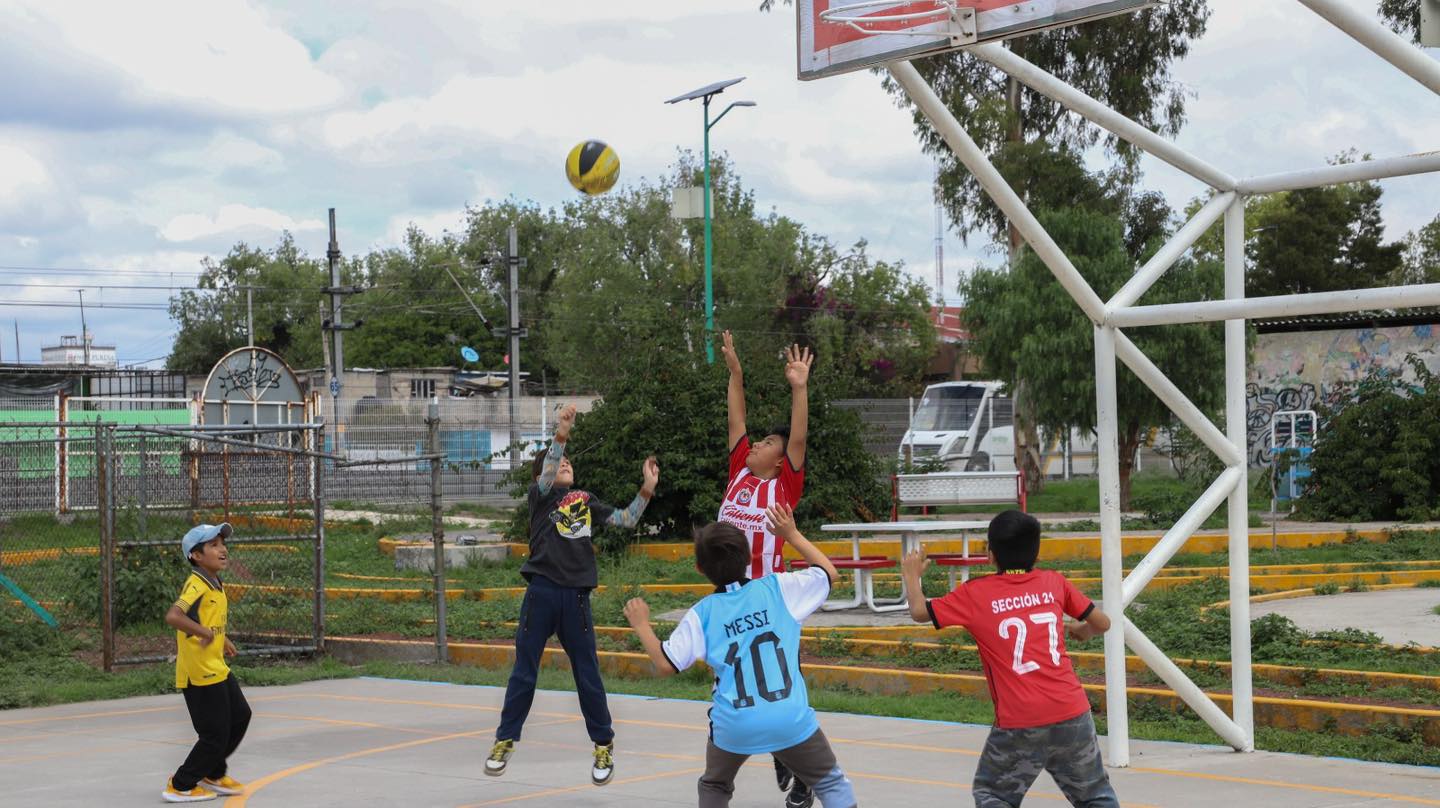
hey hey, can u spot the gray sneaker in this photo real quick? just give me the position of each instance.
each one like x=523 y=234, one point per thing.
x=499 y=758
x=604 y=767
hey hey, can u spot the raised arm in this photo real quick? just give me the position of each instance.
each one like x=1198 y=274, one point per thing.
x=630 y=517
x=734 y=392
x=637 y=613
x=912 y=569
x=797 y=372
x=556 y=452
x=782 y=524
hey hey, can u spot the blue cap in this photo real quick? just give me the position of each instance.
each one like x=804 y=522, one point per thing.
x=200 y=534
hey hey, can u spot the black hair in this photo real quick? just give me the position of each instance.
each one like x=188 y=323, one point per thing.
x=537 y=464
x=783 y=431
x=1014 y=539
x=722 y=553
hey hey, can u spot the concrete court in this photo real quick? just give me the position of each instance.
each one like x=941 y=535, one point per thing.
x=1399 y=616
x=363 y=742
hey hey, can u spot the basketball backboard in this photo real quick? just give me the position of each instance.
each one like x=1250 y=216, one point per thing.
x=838 y=36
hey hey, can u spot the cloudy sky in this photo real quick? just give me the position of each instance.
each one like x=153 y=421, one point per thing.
x=138 y=138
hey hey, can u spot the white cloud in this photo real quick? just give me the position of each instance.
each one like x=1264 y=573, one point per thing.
x=233 y=219
x=221 y=56
x=30 y=198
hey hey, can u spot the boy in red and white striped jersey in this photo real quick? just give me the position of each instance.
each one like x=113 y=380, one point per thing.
x=762 y=474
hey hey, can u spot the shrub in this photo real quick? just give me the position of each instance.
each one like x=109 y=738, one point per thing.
x=147 y=579
x=1377 y=455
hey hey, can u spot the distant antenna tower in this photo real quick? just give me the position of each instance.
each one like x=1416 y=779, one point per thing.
x=939 y=249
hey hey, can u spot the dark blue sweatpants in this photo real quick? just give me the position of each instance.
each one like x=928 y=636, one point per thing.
x=550 y=609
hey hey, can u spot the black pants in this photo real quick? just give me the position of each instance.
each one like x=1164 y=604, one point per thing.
x=220 y=716
x=550 y=609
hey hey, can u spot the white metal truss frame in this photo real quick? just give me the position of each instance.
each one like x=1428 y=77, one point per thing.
x=1121 y=311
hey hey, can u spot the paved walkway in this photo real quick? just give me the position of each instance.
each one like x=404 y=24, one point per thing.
x=374 y=742
x=1399 y=616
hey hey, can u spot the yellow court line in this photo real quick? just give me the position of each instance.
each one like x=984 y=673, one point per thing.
x=1351 y=792
x=951 y=750
x=572 y=789
x=240 y=800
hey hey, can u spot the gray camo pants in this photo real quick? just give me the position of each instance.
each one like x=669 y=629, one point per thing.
x=1013 y=758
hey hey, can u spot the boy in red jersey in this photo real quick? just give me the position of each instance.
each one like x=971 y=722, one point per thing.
x=1042 y=716
x=770 y=471
x=763 y=474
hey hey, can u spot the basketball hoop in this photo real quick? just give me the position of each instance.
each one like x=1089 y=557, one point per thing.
x=958 y=22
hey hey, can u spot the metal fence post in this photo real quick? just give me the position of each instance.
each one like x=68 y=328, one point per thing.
x=103 y=484
x=317 y=491
x=143 y=475
x=437 y=529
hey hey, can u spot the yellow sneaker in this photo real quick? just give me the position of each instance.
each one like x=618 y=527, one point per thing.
x=226 y=785
x=196 y=794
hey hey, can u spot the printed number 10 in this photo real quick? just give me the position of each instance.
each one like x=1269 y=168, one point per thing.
x=1020 y=664
x=732 y=658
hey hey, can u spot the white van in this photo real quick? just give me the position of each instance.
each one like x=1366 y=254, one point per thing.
x=970 y=426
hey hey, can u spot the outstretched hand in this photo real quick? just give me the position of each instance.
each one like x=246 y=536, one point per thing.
x=565 y=421
x=650 y=472
x=727 y=350
x=780 y=519
x=914 y=564
x=797 y=365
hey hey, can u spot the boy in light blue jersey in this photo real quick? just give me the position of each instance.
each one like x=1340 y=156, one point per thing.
x=749 y=633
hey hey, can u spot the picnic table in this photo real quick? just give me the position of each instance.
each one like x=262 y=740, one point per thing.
x=864 y=566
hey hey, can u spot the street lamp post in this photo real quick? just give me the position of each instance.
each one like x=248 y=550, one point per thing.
x=705 y=94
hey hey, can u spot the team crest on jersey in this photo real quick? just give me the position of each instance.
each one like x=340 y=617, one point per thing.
x=742 y=497
x=572 y=515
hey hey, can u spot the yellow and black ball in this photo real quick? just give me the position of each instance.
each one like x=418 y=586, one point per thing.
x=592 y=167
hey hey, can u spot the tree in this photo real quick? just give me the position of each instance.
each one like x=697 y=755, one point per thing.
x=1312 y=240
x=1026 y=327
x=617 y=276
x=1421 y=262
x=210 y=322
x=672 y=404
x=1403 y=16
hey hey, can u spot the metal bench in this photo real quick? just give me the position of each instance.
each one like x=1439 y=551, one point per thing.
x=960 y=561
x=956 y=488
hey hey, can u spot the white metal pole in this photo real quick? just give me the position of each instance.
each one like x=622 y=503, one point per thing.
x=1241 y=685
x=1209 y=311
x=1117 y=715
x=1146 y=277
x=1386 y=44
x=1345 y=172
x=999 y=190
x=1177 y=535
x=1101 y=115
x=1170 y=395
x=1171 y=674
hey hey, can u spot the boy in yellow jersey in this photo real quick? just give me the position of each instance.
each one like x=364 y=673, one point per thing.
x=217 y=707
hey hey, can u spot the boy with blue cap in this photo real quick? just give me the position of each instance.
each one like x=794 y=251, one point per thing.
x=217 y=707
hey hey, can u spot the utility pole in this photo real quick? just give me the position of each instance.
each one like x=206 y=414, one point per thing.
x=337 y=328
x=250 y=310
x=84 y=332
x=512 y=261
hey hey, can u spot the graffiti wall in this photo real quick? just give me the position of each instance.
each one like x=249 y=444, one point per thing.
x=1302 y=369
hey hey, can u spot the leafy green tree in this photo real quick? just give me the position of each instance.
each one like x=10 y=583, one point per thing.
x=1026 y=327
x=1403 y=16
x=1421 y=263
x=211 y=322
x=672 y=404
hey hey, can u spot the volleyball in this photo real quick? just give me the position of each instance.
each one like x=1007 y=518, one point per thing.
x=592 y=167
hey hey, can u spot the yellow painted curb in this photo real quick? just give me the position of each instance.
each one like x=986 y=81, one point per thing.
x=1054 y=548
x=1291 y=594
x=20 y=558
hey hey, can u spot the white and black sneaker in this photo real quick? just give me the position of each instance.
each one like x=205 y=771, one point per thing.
x=499 y=758
x=783 y=776
x=800 y=796
x=604 y=766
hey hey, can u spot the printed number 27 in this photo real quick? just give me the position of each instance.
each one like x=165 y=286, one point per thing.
x=732 y=658
x=1020 y=664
